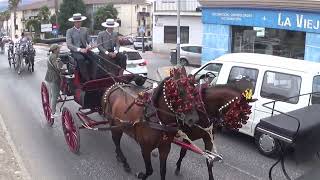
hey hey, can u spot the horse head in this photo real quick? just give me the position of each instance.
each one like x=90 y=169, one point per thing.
x=176 y=96
x=228 y=103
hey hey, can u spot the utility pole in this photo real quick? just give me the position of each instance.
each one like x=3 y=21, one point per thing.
x=178 y=33
x=56 y=12
x=144 y=27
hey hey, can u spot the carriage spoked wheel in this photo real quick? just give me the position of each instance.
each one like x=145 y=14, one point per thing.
x=46 y=104
x=70 y=130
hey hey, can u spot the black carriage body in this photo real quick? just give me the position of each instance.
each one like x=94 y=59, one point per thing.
x=299 y=129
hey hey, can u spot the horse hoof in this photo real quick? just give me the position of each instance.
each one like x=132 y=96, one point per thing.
x=177 y=172
x=127 y=168
x=140 y=175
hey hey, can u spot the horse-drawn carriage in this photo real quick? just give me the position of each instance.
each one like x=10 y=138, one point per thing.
x=21 y=54
x=155 y=118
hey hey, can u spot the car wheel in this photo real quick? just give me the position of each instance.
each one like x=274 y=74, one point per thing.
x=135 y=47
x=183 y=62
x=267 y=145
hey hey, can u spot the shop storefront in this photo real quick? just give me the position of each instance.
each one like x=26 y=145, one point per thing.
x=287 y=33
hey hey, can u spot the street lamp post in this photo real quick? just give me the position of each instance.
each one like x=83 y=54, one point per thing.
x=178 y=33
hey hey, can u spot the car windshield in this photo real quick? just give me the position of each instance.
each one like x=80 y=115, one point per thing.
x=133 y=56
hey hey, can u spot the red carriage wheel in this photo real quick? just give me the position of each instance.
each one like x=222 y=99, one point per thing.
x=46 y=104
x=70 y=130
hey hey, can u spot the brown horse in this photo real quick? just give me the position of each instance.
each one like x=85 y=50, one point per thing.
x=217 y=101
x=152 y=125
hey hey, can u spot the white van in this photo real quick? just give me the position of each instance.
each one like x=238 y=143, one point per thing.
x=272 y=78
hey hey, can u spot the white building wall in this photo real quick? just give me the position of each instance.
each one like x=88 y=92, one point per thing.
x=19 y=23
x=195 y=31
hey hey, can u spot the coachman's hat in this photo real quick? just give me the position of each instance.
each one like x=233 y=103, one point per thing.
x=110 y=23
x=77 y=17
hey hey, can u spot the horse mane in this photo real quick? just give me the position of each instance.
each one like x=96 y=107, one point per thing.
x=157 y=92
x=230 y=86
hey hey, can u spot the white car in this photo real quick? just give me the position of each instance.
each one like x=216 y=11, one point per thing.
x=137 y=43
x=272 y=78
x=135 y=63
x=189 y=54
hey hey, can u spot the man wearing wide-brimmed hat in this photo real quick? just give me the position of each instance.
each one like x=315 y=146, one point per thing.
x=78 y=42
x=108 y=44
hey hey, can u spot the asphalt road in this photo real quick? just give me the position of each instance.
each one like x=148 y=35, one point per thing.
x=46 y=156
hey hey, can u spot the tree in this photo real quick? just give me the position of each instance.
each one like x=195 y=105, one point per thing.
x=13 y=5
x=4 y=16
x=67 y=9
x=104 y=13
x=35 y=25
x=44 y=14
x=53 y=18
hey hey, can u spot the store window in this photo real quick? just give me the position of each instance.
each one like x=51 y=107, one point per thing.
x=170 y=34
x=280 y=86
x=277 y=42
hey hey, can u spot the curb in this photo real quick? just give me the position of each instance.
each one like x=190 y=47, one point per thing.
x=24 y=172
x=42 y=44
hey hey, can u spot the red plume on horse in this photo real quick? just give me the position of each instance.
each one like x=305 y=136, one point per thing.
x=153 y=118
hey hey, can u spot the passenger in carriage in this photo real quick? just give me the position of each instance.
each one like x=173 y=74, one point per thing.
x=108 y=45
x=78 y=42
x=53 y=77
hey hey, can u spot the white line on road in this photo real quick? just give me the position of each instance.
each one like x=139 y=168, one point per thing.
x=245 y=172
x=25 y=173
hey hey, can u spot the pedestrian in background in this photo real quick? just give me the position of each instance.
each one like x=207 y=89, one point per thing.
x=53 y=77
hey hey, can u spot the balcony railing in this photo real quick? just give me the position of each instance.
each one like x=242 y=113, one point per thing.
x=171 y=5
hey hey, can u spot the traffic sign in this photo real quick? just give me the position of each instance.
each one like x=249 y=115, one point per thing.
x=55 y=31
x=46 y=27
x=142 y=29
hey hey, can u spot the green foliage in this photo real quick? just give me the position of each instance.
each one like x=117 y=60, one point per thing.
x=53 y=19
x=44 y=14
x=13 y=5
x=104 y=13
x=67 y=9
x=36 y=40
x=34 y=25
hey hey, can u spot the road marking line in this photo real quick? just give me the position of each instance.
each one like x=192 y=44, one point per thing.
x=247 y=173
x=25 y=173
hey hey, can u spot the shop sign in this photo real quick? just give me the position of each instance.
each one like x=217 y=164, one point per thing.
x=297 y=21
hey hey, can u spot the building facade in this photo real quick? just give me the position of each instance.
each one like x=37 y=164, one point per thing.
x=128 y=13
x=283 y=28
x=165 y=24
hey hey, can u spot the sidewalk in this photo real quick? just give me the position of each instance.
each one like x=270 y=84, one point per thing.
x=9 y=165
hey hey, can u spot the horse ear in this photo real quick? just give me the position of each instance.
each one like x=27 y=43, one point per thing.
x=183 y=71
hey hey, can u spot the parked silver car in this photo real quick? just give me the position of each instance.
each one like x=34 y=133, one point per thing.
x=189 y=55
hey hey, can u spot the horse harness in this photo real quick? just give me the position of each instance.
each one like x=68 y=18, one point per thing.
x=145 y=99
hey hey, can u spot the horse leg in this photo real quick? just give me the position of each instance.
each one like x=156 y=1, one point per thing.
x=208 y=144
x=163 y=156
x=116 y=137
x=146 y=154
x=183 y=153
